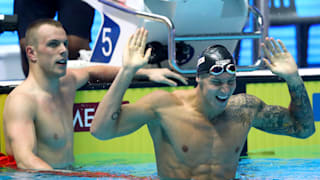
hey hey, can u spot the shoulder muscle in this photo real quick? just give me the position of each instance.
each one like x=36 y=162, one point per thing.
x=159 y=98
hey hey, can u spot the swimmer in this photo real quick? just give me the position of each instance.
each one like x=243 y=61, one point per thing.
x=38 y=123
x=199 y=133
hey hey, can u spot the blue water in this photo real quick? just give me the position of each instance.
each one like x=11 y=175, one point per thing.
x=278 y=169
x=260 y=169
x=145 y=170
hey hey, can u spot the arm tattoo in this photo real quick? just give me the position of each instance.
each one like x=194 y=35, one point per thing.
x=300 y=107
x=115 y=115
x=297 y=121
x=275 y=119
x=246 y=102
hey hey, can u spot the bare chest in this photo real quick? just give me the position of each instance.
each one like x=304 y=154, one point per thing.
x=54 y=127
x=195 y=140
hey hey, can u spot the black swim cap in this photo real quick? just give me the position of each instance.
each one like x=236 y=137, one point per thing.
x=216 y=54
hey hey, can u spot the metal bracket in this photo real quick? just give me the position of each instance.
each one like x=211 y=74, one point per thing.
x=172 y=38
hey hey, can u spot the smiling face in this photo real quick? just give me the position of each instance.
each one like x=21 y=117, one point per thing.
x=50 y=50
x=216 y=77
x=216 y=90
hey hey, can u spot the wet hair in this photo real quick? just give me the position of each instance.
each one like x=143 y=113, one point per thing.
x=216 y=54
x=31 y=33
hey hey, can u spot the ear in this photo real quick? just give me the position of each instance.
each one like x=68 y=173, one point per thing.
x=31 y=53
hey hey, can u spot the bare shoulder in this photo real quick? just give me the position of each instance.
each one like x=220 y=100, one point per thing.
x=20 y=94
x=160 y=98
x=69 y=78
x=245 y=101
x=19 y=102
x=243 y=108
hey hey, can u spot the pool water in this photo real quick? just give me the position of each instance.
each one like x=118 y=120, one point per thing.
x=279 y=169
x=142 y=166
x=123 y=166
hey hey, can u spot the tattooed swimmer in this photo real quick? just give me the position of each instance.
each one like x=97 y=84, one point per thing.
x=199 y=133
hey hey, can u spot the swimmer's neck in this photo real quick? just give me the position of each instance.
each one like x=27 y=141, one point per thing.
x=50 y=85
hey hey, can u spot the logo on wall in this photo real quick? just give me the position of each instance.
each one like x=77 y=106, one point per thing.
x=83 y=114
x=106 y=42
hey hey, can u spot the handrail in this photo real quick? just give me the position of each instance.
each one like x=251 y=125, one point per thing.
x=154 y=17
x=172 y=38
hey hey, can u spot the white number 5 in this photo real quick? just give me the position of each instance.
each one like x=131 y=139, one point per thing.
x=106 y=39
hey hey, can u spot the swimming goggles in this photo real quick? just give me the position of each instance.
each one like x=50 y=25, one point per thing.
x=219 y=69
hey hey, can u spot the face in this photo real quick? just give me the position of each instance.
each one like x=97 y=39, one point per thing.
x=216 y=90
x=51 y=52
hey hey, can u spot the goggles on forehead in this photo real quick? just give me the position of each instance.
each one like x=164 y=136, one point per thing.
x=219 y=69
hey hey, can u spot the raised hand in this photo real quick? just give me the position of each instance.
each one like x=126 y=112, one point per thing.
x=134 y=56
x=280 y=61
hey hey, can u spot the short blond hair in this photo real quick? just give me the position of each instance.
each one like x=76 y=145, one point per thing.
x=31 y=33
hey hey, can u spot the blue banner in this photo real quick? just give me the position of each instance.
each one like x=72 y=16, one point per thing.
x=316 y=106
x=106 y=41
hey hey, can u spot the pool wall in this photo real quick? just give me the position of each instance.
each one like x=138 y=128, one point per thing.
x=2 y=142
x=276 y=93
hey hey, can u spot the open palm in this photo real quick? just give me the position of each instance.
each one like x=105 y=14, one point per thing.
x=280 y=61
x=134 y=56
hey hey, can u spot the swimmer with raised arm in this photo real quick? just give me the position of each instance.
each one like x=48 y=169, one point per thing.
x=199 y=133
x=37 y=117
